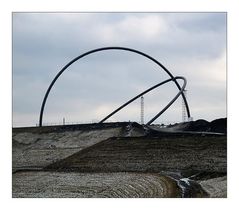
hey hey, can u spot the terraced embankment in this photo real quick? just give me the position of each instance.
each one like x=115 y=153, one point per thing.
x=117 y=160
x=100 y=185
x=144 y=154
x=35 y=148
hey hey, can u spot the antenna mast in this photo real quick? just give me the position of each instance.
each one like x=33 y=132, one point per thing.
x=184 y=118
x=142 y=110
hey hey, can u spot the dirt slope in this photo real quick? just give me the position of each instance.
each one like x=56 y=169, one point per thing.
x=145 y=154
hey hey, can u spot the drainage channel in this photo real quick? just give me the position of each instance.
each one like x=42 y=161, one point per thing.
x=189 y=188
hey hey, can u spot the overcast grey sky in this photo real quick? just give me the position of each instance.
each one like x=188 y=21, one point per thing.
x=188 y=44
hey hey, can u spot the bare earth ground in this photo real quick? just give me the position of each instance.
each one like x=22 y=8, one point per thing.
x=85 y=161
x=100 y=185
x=37 y=150
x=216 y=188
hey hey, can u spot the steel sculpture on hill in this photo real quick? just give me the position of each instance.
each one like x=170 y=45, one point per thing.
x=172 y=78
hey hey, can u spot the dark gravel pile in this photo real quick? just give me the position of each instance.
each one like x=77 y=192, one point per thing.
x=217 y=126
x=143 y=154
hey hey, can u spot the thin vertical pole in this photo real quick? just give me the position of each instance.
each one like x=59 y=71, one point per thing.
x=184 y=107
x=142 y=110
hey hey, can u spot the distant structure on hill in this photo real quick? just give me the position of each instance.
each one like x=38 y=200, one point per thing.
x=172 y=78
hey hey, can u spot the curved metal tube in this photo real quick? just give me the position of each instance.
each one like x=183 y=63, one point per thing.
x=171 y=102
x=103 y=49
x=148 y=90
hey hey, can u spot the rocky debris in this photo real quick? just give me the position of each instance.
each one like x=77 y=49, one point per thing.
x=93 y=185
x=133 y=130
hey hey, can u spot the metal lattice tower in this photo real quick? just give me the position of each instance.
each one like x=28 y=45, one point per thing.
x=184 y=118
x=142 y=110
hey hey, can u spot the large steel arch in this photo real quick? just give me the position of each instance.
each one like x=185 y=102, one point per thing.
x=103 y=49
x=148 y=90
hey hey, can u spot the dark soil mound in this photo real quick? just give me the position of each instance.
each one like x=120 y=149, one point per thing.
x=198 y=125
x=219 y=125
x=143 y=154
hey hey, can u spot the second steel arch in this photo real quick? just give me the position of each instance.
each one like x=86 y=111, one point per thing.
x=146 y=91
